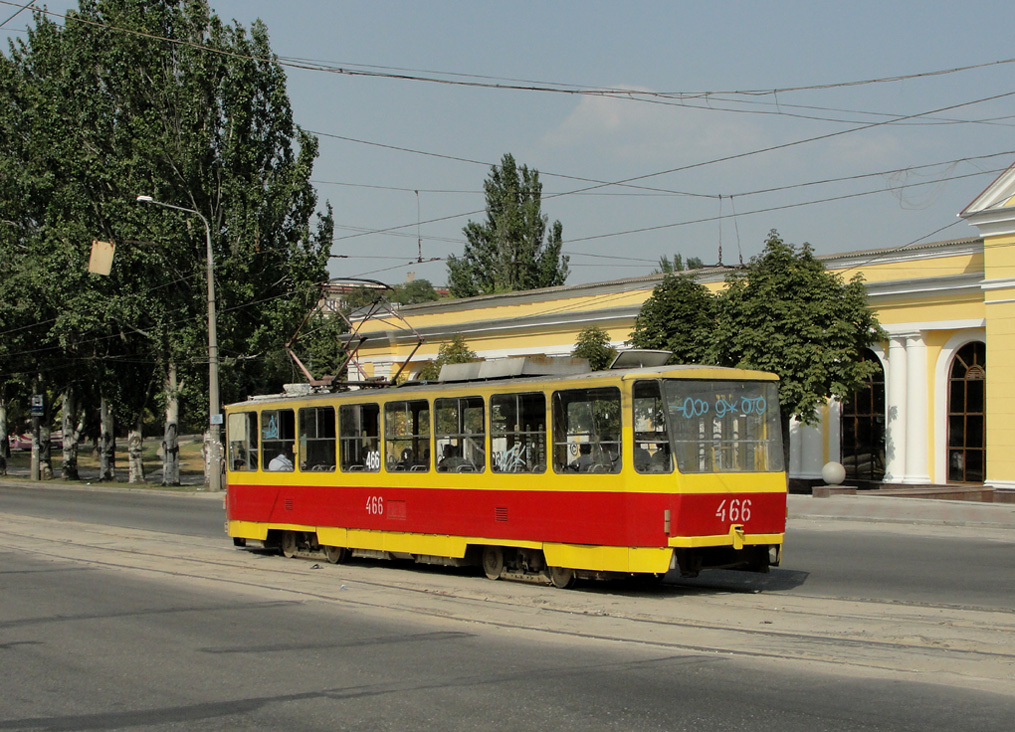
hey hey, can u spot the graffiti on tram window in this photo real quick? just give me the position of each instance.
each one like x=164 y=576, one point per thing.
x=691 y=407
x=271 y=427
x=743 y=405
x=510 y=461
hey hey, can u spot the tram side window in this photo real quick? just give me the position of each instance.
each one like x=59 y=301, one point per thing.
x=317 y=439
x=278 y=439
x=518 y=433
x=407 y=436
x=586 y=431
x=241 y=432
x=360 y=437
x=461 y=436
x=651 y=442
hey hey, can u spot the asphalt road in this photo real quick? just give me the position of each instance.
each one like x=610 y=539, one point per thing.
x=90 y=648
x=130 y=610
x=968 y=566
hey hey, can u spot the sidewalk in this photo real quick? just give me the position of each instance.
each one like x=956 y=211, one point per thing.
x=90 y=476
x=903 y=510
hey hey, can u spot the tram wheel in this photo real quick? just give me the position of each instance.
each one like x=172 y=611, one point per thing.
x=335 y=554
x=493 y=562
x=561 y=577
x=289 y=544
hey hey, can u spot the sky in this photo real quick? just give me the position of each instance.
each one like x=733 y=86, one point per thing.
x=658 y=128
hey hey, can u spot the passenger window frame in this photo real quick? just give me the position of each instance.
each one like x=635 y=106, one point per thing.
x=575 y=427
x=310 y=444
x=525 y=445
x=356 y=437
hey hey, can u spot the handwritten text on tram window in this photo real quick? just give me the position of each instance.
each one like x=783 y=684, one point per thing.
x=692 y=407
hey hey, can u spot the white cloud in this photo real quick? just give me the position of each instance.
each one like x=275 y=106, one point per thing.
x=640 y=133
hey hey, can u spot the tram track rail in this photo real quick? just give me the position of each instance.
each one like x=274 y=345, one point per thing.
x=968 y=646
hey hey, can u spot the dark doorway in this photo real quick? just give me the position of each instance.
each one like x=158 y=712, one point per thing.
x=967 y=423
x=862 y=443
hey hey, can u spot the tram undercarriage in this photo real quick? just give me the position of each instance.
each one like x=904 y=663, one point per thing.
x=525 y=564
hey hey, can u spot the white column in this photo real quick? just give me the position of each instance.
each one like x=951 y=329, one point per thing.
x=812 y=451
x=834 y=431
x=795 y=448
x=895 y=423
x=917 y=398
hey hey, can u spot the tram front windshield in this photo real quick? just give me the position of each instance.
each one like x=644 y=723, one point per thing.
x=724 y=426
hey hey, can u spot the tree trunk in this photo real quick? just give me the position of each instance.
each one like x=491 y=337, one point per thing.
x=170 y=441
x=135 y=462
x=5 y=444
x=107 y=442
x=71 y=428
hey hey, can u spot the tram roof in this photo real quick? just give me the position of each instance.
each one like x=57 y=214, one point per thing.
x=512 y=383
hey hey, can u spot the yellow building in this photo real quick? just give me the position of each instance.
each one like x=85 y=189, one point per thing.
x=924 y=420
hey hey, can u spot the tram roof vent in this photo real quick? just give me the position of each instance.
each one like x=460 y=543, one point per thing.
x=460 y=371
x=506 y=368
x=634 y=358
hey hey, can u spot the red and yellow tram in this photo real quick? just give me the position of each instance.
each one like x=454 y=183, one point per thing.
x=634 y=471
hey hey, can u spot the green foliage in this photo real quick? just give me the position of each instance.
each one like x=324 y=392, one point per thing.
x=363 y=297
x=322 y=348
x=785 y=313
x=593 y=343
x=454 y=351
x=416 y=291
x=677 y=265
x=678 y=316
x=512 y=251
x=94 y=117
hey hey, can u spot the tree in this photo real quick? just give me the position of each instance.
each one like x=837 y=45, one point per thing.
x=787 y=314
x=101 y=109
x=512 y=250
x=677 y=265
x=454 y=351
x=415 y=291
x=678 y=316
x=593 y=343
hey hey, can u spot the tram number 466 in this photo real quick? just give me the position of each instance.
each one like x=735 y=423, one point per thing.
x=736 y=510
x=375 y=505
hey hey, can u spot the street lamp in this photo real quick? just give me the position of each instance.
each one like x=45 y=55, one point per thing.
x=214 y=416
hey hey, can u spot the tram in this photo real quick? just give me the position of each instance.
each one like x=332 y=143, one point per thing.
x=529 y=472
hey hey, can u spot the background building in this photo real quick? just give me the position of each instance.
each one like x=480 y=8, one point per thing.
x=923 y=419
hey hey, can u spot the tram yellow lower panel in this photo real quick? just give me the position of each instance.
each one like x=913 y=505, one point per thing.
x=247 y=530
x=694 y=542
x=652 y=560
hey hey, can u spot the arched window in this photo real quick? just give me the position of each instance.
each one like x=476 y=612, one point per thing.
x=862 y=443
x=967 y=423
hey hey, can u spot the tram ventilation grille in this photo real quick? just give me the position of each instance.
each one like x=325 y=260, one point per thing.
x=500 y=513
x=288 y=504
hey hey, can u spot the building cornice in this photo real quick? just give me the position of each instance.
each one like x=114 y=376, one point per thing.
x=992 y=222
x=970 y=283
x=500 y=327
x=898 y=255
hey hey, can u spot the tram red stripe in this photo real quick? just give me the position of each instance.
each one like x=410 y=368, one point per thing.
x=599 y=518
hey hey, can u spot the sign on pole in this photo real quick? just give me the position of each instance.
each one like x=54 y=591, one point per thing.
x=101 y=261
